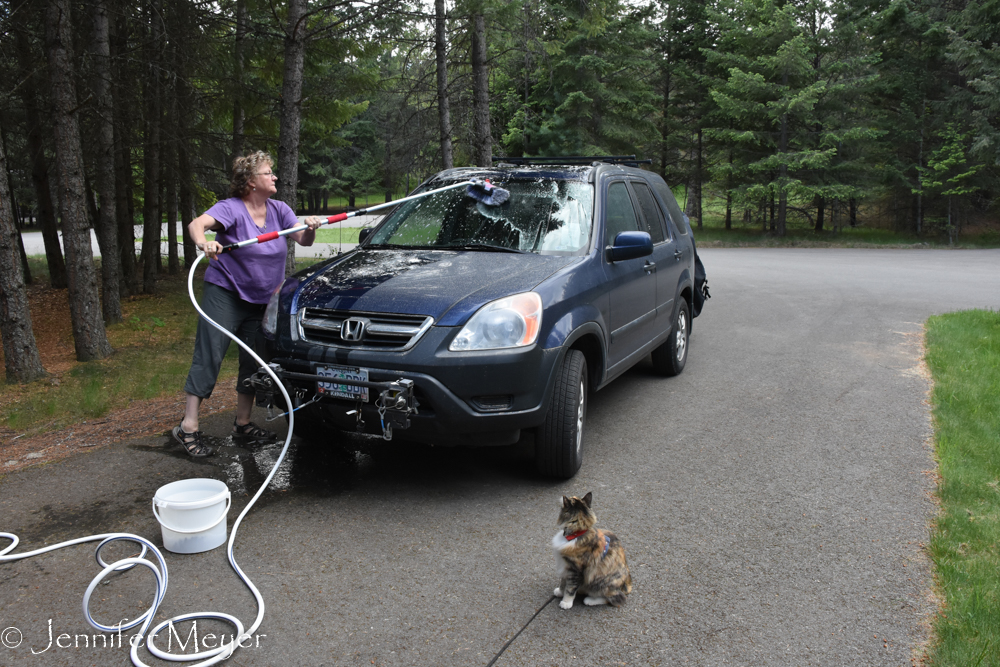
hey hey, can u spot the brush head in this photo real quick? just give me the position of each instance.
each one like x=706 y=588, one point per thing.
x=487 y=193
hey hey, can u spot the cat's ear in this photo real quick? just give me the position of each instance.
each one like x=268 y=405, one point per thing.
x=566 y=503
x=587 y=498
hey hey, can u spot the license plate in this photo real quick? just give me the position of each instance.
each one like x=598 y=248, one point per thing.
x=339 y=388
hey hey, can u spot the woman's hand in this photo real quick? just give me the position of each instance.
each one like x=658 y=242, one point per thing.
x=210 y=248
x=313 y=222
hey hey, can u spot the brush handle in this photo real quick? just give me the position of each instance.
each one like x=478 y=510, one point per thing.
x=340 y=217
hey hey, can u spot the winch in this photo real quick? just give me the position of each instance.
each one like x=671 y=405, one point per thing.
x=395 y=403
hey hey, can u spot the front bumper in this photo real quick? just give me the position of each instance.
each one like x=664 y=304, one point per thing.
x=477 y=398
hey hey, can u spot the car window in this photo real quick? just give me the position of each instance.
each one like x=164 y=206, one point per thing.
x=619 y=215
x=650 y=212
x=672 y=208
x=542 y=215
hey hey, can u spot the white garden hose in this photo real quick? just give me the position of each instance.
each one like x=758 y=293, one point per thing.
x=209 y=657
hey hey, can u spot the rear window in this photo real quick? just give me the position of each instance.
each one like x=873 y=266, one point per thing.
x=542 y=216
x=668 y=198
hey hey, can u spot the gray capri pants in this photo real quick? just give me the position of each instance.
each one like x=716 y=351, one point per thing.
x=210 y=345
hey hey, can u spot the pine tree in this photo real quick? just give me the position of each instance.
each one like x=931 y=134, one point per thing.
x=766 y=107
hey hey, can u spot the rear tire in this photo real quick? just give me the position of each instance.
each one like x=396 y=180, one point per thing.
x=559 y=441
x=670 y=357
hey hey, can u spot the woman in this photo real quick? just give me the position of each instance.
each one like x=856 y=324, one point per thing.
x=238 y=285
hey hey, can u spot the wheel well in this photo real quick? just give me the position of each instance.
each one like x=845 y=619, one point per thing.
x=592 y=352
x=688 y=296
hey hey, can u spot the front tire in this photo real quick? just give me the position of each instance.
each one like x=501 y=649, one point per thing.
x=670 y=357
x=559 y=441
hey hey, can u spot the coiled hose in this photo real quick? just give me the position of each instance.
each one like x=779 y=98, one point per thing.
x=209 y=657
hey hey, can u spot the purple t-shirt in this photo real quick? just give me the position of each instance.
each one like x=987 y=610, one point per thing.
x=255 y=271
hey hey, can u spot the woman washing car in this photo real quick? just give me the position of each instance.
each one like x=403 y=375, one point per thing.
x=237 y=287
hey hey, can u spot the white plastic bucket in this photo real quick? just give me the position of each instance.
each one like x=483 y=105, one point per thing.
x=192 y=514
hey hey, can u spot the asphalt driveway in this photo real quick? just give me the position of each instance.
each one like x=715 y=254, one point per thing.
x=773 y=500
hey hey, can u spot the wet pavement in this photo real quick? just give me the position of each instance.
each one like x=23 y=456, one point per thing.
x=773 y=501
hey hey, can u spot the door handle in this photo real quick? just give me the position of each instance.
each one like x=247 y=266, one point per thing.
x=649 y=267
x=678 y=254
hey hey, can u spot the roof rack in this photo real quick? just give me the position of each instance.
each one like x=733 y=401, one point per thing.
x=574 y=159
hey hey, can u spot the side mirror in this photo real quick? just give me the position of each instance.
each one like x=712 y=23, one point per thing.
x=364 y=234
x=630 y=245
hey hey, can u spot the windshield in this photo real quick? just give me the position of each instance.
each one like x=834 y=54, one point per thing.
x=543 y=216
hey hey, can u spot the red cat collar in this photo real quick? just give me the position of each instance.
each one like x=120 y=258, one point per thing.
x=573 y=536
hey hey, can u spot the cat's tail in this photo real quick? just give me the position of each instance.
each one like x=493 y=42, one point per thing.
x=617 y=599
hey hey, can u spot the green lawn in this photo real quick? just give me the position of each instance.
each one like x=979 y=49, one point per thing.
x=963 y=353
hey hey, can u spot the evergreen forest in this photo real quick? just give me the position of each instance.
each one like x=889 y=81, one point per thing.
x=766 y=114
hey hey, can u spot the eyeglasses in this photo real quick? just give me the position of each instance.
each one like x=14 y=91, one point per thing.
x=268 y=173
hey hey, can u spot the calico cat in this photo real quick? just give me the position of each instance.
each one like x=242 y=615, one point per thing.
x=589 y=560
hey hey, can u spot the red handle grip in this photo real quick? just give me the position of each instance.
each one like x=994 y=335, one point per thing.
x=270 y=236
x=337 y=218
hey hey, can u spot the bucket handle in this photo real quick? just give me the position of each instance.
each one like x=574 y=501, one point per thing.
x=222 y=517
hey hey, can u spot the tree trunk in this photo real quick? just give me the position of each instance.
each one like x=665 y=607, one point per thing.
x=665 y=117
x=169 y=169
x=20 y=354
x=820 y=209
x=291 y=113
x=107 y=223
x=238 y=56
x=151 y=213
x=699 y=168
x=183 y=103
x=782 y=177
x=123 y=164
x=84 y=302
x=15 y=214
x=39 y=169
x=444 y=108
x=481 y=136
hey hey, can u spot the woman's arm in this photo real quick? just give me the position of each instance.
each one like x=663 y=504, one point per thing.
x=197 y=229
x=307 y=236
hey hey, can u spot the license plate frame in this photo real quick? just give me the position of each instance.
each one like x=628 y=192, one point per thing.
x=342 y=388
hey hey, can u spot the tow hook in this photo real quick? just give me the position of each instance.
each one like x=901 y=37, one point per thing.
x=395 y=405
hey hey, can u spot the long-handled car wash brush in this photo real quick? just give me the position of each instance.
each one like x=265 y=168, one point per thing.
x=479 y=189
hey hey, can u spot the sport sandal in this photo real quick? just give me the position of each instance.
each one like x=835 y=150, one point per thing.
x=251 y=431
x=191 y=442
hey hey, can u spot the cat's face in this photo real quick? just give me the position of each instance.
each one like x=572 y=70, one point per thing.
x=576 y=511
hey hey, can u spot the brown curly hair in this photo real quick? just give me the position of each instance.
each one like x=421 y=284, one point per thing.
x=245 y=170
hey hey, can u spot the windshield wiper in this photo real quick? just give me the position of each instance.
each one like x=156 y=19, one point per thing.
x=397 y=246
x=482 y=246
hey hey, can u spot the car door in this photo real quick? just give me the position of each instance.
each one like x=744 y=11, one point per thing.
x=666 y=256
x=632 y=285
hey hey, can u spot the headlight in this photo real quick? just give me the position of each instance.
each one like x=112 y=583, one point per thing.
x=510 y=322
x=270 y=323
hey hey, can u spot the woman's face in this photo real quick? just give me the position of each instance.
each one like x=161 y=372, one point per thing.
x=265 y=181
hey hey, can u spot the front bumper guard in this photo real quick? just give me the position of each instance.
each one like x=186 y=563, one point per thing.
x=396 y=400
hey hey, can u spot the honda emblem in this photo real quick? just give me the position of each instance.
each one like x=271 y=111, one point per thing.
x=353 y=329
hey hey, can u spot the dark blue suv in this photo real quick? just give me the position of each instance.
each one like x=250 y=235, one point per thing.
x=455 y=322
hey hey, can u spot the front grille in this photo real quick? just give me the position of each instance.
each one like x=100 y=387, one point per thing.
x=381 y=331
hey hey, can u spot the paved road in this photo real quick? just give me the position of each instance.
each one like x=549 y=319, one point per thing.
x=34 y=245
x=773 y=501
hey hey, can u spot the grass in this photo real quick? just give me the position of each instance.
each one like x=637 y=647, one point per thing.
x=963 y=353
x=152 y=355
